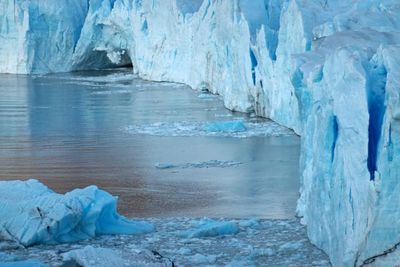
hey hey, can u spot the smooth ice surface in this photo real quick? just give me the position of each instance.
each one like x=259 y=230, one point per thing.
x=31 y=214
x=256 y=243
x=68 y=130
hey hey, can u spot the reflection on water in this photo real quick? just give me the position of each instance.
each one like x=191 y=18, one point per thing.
x=66 y=130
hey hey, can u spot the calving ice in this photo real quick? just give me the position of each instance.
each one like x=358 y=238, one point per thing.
x=328 y=69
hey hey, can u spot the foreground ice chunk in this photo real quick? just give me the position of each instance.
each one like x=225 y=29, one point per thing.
x=105 y=257
x=31 y=213
x=209 y=228
x=28 y=263
x=226 y=127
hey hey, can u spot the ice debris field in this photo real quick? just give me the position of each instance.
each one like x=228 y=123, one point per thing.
x=238 y=129
x=84 y=216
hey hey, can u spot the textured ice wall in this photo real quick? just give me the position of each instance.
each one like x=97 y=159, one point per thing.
x=36 y=36
x=327 y=68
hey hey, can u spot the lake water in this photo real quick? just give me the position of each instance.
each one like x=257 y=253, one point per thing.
x=145 y=143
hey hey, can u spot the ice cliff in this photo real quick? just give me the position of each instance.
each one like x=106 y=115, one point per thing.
x=329 y=69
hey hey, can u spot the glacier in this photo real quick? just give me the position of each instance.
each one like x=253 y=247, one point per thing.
x=328 y=69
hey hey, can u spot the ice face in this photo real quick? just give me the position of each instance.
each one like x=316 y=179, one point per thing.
x=33 y=214
x=326 y=68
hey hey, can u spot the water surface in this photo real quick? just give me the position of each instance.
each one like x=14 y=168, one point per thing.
x=69 y=130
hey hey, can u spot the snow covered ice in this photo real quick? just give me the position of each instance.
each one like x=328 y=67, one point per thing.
x=328 y=69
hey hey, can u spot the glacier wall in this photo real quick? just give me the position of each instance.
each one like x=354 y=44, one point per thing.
x=329 y=69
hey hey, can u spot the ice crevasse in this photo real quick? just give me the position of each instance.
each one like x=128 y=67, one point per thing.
x=329 y=69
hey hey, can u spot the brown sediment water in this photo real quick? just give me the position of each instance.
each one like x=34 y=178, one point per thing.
x=67 y=130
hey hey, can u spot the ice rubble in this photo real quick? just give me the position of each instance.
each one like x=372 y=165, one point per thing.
x=257 y=243
x=31 y=213
x=328 y=69
x=199 y=165
x=217 y=128
x=106 y=257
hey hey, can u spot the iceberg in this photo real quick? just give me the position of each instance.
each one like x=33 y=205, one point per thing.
x=31 y=214
x=327 y=69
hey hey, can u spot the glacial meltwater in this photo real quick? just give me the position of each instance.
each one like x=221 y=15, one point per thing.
x=220 y=187
x=165 y=150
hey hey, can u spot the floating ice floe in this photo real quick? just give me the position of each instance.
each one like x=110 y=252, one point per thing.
x=31 y=213
x=111 y=92
x=225 y=127
x=238 y=129
x=207 y=96
x=199 y=165
x=27 y=263
x=105 y=257
x=211 y=228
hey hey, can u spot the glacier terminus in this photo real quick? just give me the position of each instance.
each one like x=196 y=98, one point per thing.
x=328 y=69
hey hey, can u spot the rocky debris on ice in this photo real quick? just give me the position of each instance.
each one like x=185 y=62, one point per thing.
x=31 y=214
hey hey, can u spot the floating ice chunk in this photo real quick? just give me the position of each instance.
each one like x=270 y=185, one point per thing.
x=199 y=165
x=31 y=213
x=27 y=263
x=226 y=127
x=241 y=262
x=202 y=259
x=184 y=251
x=262 y=252
x=207 y=96
x=90 y=256
x=248 y=223
x=210 y=228
x=111 y=92
x=7 y=260
x=266 y=128
x=105 y=257
x=165 y=166
x=291 y=245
